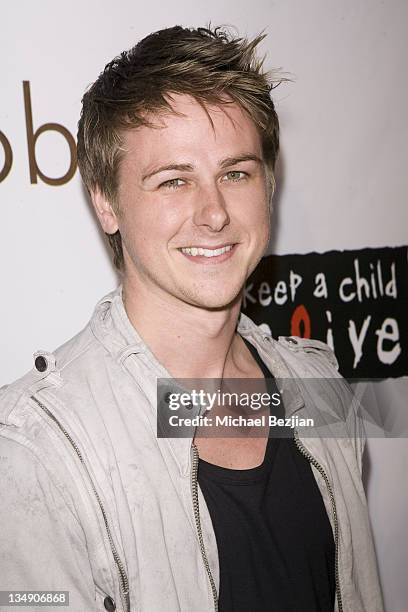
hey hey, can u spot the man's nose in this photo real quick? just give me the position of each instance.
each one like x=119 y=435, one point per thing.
x=210 y=208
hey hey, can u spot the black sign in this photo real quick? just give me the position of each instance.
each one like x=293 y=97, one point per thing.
x=356 y=301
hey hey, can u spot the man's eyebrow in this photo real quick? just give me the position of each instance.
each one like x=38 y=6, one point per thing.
x=180 y=167
x=224 y=163
x=231 y=161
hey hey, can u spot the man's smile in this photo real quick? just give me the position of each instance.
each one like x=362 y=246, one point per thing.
x=206 y=255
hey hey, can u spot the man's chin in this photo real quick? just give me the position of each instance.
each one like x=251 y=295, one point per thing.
x=214 y=302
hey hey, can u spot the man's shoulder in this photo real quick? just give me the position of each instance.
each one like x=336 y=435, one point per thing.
x=319 y=390
x=305 y=354
x=56 y=371
x=50 y=370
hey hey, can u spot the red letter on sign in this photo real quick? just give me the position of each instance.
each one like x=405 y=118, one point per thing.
x=300 y=318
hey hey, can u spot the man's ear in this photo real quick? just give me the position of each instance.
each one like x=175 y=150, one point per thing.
x=104 y=211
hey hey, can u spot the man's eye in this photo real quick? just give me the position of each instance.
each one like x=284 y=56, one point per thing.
x=236 y=175
x=172 y=184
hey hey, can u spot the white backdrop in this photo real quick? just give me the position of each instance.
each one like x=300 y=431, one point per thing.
x=342 y=178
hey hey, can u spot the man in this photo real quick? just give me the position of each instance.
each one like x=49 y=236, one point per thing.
x=177 y=145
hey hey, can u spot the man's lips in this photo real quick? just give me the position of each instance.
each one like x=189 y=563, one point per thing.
x=193 y=254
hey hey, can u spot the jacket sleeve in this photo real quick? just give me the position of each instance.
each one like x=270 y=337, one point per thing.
x=42 y=545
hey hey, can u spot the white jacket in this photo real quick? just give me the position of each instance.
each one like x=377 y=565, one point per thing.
x=95 y=504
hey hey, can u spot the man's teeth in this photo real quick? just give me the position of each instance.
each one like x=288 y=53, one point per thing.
x=206 y=252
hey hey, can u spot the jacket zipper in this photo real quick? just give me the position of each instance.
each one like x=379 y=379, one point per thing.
x=196 y=508
x=124 y=582
x=317 y=465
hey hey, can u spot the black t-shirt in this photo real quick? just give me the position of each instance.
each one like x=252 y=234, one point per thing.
x=274 y=538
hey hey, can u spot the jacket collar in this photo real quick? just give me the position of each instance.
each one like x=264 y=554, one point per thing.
x=112 y=327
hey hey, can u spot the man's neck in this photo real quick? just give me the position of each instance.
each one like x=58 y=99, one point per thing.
x=190 y=342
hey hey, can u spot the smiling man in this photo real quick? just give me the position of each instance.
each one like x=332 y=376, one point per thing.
x=177 y=145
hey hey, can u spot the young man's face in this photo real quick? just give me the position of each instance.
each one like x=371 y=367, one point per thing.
x=210 y=201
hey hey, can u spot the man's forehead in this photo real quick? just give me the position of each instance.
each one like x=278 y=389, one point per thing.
x=185 y=107
x=185 y=112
